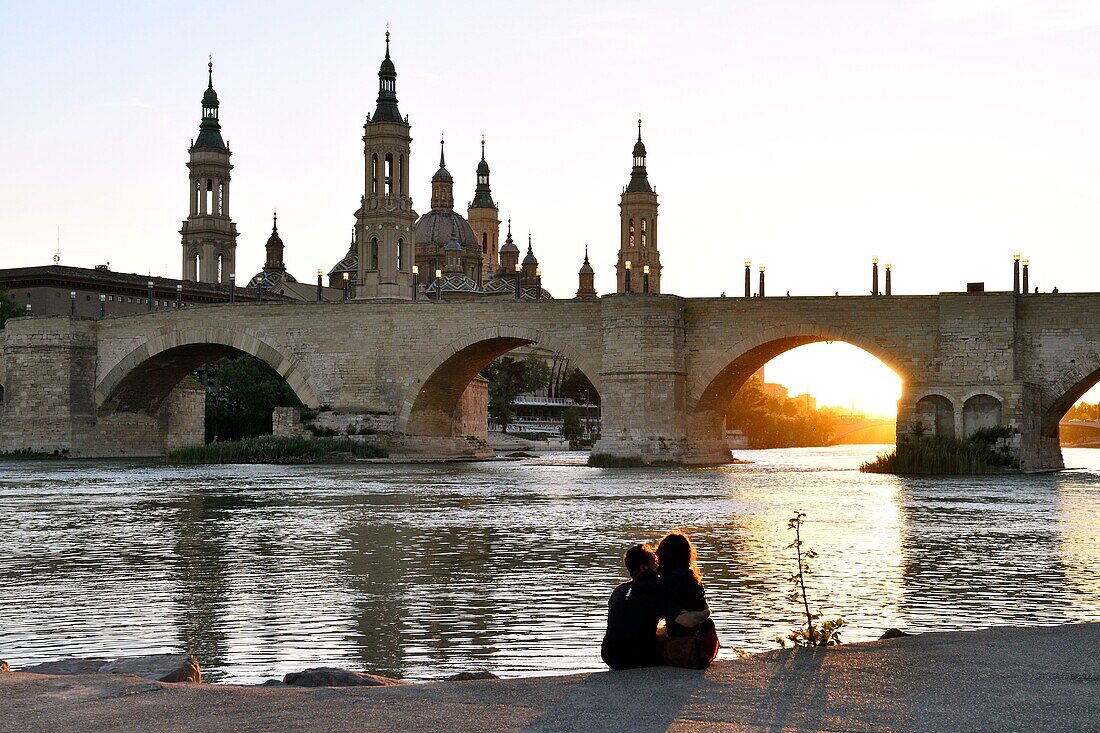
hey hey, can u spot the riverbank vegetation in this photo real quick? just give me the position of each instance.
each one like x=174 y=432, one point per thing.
x=241 y=393
x=7 y=307
x=813 y=632
x=272 y=449
x=986 y=451
x=774 y=421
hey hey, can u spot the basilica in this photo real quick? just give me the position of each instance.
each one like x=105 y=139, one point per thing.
x=394 y=252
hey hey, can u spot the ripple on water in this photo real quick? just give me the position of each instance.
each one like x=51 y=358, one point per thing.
x=422 y=571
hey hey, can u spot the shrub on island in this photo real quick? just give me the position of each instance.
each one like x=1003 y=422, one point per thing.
x=277 y=449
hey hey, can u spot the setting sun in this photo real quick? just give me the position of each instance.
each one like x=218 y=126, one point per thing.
x=838 y=374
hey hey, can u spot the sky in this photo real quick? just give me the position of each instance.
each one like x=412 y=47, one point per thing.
x=938 y=135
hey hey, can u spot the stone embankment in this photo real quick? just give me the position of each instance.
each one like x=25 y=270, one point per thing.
x=1007 y=679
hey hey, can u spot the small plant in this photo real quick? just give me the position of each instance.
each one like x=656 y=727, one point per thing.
x=321 y=431
x=825 y=633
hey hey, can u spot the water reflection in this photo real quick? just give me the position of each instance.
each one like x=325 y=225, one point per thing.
x=261 y=570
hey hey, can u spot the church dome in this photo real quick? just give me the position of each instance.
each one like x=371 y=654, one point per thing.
x=438 y=227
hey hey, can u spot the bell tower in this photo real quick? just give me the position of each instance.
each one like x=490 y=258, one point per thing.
x=209 y=235
x=482 y=215
x=638 y=230
x=385 y=220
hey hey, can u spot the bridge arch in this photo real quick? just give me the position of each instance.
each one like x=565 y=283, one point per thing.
x=1064 y=391
x=430 y=408
x=142 y=379
x=726 y=370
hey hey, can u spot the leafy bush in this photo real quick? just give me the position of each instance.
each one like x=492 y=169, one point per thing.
x=939 y=455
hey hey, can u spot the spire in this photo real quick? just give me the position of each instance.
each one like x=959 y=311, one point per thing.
x=639 y=180
x=442 y=183
x=530 y=259
x=386 y=109
x=586 y=268
x=274 y=246
x=483 y=196
x=210 y=135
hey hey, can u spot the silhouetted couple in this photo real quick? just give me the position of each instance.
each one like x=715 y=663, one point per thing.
x=663 y=585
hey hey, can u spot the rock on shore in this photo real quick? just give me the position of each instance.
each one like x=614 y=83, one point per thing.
x=337 y=677
x=159 y=667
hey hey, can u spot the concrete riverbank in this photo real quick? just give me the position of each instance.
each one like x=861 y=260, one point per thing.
x=997 y=680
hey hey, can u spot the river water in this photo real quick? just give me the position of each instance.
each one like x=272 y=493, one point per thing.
x=423 y=571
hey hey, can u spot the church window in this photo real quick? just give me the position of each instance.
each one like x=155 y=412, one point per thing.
x=643 y=232
x=374 y=174
x=198 y=265
x=631 y=240
x=374 y=253
x=208 y=198
x=221 y=198
x=388 y=180
x=400 y=254
x=401 y=175
x=484 y=243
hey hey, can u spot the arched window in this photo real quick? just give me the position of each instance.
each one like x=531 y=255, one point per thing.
x=400 y=255
x=221 y=199
x=198 y=265
x=484 y=243
x=631 y=240
x=643 y=232
x=374 y=174
x=980 y=411
x=388 y=179
x=374 y=253
x=401 y=176
x=220 y=264
x=208 y=197
x=937 y=415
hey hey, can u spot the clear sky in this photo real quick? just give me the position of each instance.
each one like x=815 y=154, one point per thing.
x=939 y=135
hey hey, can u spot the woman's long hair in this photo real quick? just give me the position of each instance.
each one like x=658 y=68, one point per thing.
x=676 y=551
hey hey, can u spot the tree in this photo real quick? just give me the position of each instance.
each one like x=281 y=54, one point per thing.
x=509 y=378
x=241 y=393
x=571 y=428
x=7 y=308
x=772 y=422
x=577 y=386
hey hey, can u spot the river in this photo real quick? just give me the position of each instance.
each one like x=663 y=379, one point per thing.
x=419 y=571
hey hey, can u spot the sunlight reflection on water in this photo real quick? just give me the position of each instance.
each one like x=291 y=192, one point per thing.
x=423 y=571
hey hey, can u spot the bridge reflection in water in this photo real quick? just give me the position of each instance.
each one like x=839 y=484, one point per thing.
x=424 y=571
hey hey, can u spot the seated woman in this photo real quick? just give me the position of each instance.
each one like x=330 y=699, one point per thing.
x=683 y=593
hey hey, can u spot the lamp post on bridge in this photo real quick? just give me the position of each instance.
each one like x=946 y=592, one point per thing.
x=888 y=268
x=72 y=303
x=179 y=295
x=347 y=279
x=149 y=300
x=1026 y=263
x=874 y=276
x=1015 y=273
x=27 y=310
x=626 y=276
x=232 y=288
x=645 y=279
x=519 y=269
x=439 y=283
x=102 y=305
x=538 y=284
x=416 y=280
x=319 y=274
x=748 y=279
x=761 y=294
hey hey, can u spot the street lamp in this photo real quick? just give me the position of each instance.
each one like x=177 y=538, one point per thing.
x=1015 y=273
x=761 y=294
x=874 y=276
x=72 y=303
x=1027 y=262
x=179 y=295
x=645 y=278
x=538 y=283
x=519 y=269
x=28 y=309
x=150 y=293
x=232 y=288
x=748 y=279
x=627 y=275
x=439 y=283
x=319 y=274
x=102 y=305
x=416 y=280
x=346 y=279
x=888 y=267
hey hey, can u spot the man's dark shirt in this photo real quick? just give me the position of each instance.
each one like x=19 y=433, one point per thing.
x=632 y=615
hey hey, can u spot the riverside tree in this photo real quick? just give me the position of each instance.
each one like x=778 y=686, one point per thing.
x=509 y=378
x=241 y=394
x=7 y=308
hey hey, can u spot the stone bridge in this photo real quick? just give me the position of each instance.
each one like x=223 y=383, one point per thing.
x=666 y=367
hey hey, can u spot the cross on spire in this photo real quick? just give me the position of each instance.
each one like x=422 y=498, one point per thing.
x=639 y=127
x=387 y=40
x=442 y=164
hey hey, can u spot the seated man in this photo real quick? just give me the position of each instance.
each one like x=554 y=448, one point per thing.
x=633 y=611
